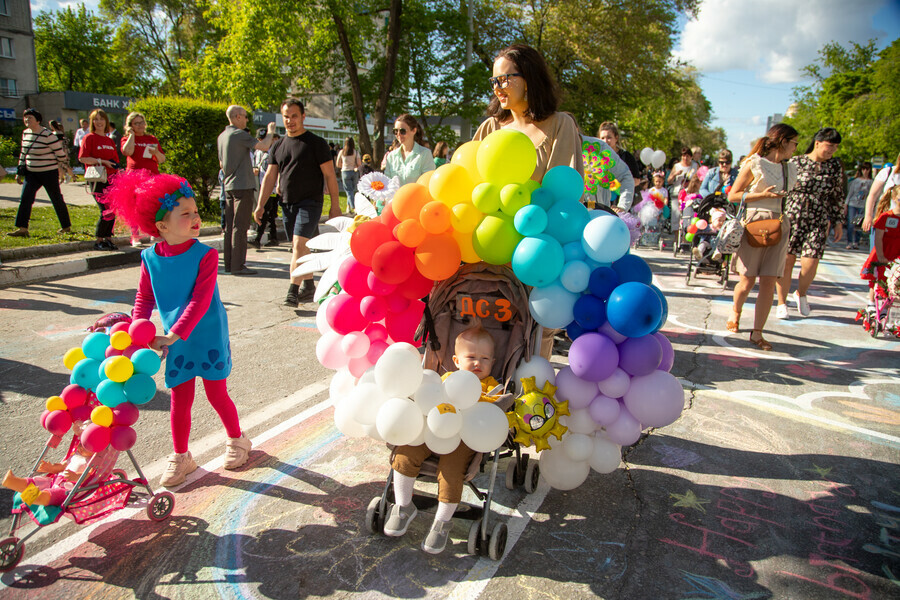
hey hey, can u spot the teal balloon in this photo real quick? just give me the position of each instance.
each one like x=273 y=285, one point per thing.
x=543 y=197
x=101 y=370
x=140 y=388
x=531 y=220
x=95 y=345
x=552 y=306
x=606 y=239
x=86 y=373
x=575 y=276
x=538 y=260
x=111 y=393
x=574 y=251
x=146 y=361
x=566 y=183
x=566 y=221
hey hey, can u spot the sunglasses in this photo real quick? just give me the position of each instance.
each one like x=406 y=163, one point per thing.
x=502 y=80
x=724 y=162
x=400 y=131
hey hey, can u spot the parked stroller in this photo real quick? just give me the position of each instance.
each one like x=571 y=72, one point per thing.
x=884 y=319
x=100 y=489
x=704 y=264
x=492 y=295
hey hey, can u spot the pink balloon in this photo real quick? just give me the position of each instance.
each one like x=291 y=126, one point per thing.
x=376 y=349
x=352 y=275
x=402 y=326
x=343 y=314
x=355 y=344
x=577 y=391
x=416 y=287
x=81 y=413
x=95 y=437
x=702 y=224
x=74 y=395
x=379 y=287
x=58 y=422
x=397 y=303
x=604 y=410
x=44 y=418
x=142 y=332
x=329 y=353
x=120 y=326
x=358 y=366
x=110 y=351
x=625 y=430
x=127 y=352
x=122 y=437
x=125 y=414
x=376 y=332
x=373 y=308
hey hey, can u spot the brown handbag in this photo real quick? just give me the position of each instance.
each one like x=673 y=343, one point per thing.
x=767 y=232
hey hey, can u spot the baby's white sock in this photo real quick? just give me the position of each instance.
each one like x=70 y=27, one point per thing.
x=445 y=511
x=403 y=488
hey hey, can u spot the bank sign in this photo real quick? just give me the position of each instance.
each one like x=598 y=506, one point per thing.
x=88 y=102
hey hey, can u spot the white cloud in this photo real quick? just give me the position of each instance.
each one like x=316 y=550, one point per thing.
x=773 y=38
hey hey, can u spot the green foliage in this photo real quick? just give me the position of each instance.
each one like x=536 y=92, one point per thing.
x=188 y=130
x=9 y=148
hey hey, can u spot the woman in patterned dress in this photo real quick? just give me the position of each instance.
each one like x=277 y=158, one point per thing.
x=814 y=205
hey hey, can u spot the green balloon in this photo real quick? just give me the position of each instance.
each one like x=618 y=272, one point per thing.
x=486 y=197
x=513 y=197
x=495 y=239
x=506 y=156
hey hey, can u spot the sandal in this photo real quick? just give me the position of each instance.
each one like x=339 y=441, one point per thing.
x=733 y=326
x=761 y=343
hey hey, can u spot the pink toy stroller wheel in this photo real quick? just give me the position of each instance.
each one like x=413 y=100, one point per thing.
x=10 y=555
x=161 y=506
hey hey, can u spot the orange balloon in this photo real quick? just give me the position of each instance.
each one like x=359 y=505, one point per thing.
x=438 y=257
x=465 y=156
x=425 y=177
x=465 y=218
x=435 y=217
x=451 y=184
x=410 y=233
x=464 y=241
x=409 y=200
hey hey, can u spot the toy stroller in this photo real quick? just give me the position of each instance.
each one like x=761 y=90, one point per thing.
x=887 y=291
x=99 y=490
x=493 y=295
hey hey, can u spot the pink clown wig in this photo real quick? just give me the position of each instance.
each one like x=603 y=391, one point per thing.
x=136 y=197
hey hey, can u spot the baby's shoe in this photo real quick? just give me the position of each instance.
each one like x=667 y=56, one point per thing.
x=716 y=256
x=399 y=519
x=179 y=467
x=696 y=252
x=436 y=540
x=237 y=451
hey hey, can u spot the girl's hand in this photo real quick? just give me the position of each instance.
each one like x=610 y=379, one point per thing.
x=161 y=342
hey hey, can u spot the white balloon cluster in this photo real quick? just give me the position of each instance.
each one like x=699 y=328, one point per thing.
x=657 y=158
x=399 y=402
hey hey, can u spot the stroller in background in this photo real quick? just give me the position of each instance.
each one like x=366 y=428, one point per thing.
x=884 y=318
x=494 y=296
x=705 y=265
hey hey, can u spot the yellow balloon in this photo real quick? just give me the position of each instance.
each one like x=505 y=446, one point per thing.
x=465 y=247
x=451 y=184
x=425 y=177
x=119 y=369
x=466 y=156
x=465 y=217
x=72 y=357
x=102 y=415
x=506 y=156
x=56 y=403
x=120 y=340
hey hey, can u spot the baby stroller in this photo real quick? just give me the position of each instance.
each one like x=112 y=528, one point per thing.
x=651 y=223
x=100 y=489
x=882 y=319
x=494 y=296
x=705 y=265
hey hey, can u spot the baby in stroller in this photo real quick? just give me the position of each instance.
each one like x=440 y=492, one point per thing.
x=706 y=235
x=474 y=352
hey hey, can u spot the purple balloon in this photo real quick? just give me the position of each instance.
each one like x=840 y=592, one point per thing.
x=607 y=330
x=640 y=356
x=604 y=410
x=573 y=389
x=656 y=400
x=625 y=430
x=668 y=352
x=593 y=357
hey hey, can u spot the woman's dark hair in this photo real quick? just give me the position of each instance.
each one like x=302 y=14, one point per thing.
x=826 y=134
x=861 y=166
x=440 y=149
x=410 y=121
x=34 y=113
x=541 y=91
x=777 y=136
x=349 y=147
x=685 y=151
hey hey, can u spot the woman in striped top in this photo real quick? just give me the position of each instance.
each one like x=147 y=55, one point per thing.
x=42 y=156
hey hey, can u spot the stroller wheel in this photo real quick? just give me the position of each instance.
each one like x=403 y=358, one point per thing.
x=497 y=542
x=532 y=476
x=474 y=544
x=374 y=518
x=511 y=468
x=10 y=555
x=119 y=473
x=161 y=506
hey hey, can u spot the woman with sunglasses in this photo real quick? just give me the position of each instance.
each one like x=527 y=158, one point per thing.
x=411 y=159
x=718 y=180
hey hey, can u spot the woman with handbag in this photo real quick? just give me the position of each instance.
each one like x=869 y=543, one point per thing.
x=99 y=156
x=814 y=206
x=764 y=180
x=39 y=162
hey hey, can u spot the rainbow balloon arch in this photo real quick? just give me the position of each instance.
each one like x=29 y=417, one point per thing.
x=483 y=206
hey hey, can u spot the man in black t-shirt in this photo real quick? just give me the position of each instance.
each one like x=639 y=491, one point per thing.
x=304 y=162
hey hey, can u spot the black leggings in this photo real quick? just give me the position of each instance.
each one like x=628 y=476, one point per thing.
x=49 y=180
x=105 y=223
x=269 y=218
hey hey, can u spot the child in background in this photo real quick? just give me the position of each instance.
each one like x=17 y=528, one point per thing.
x=178 y=276
x=474 y=351
x=704 y=246
x=887 y=241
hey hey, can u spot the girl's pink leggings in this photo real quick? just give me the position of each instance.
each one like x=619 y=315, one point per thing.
x=183 y=400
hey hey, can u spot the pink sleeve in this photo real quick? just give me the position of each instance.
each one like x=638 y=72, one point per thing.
x=201 y=296
x=144 y=300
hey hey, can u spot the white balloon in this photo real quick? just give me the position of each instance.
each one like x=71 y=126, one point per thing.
x=399 y=421
x=615 y=385
x=647 y=155
x=399 y=372
x=539 y=368
x=429 y=395
x=577 y=446
x=580 y=421
x=574 y=389
x=365 y=402
x=444 y=422
x=484 y=427
x=341 y=386
x=606 y=455
x=419 y=440
x=368 y=376
x=372 y=432
x=659 y=159
x=561 y=472
x=429 y=376
x=462 y=389
x=440 y=445
x=321 y=321
x=345 y=422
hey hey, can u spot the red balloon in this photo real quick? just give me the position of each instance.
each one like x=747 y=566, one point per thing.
x=58 y=422
x=343 y=314
x=125 y=414
x=95 y=437
x=122 y=437
x=376 y=332
x=142 y=332
x=388 y=217
x=376 y=349
x=110 y=351
x=74 y=395
x=127 y=352
x=393 y=262
x=402 y=326
x=81 y=413
x=44 y=418
x=397 y=303
x=378 y=287
x=416 y=287
x=367 y=238
x=352 y=275
x=373 y=308
x=120 y=326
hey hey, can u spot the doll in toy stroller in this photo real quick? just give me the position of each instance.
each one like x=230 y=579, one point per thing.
x=709 y=217
x=489 y=298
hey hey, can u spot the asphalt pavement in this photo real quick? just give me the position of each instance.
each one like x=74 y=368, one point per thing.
x=780 y=479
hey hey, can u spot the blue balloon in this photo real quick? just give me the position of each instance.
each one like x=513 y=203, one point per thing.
x=140 y=388
x=606 y=239
x=634 y=309
x=531 y=220
x=575 y=276
x=552 y=306
x=590 y=312
x=146 y=361
x=86 y=373
x=111 y=393
x=574 y=251
x=603 y=281
x=95 y=345
x=566 y=220
x=633 y=268
x=566 y=183
x=665 y=308
x=543 y=197
x=101 y=370
x=538 y=260
x=573 y=330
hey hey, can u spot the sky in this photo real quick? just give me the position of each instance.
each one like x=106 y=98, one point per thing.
x=750 y=52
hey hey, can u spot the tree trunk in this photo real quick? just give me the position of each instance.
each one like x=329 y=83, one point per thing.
x=365 y=143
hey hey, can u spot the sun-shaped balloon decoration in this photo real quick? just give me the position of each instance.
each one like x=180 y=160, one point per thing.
x=536 y=415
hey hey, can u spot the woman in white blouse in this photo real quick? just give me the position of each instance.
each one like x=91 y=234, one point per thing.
x=411 y=159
